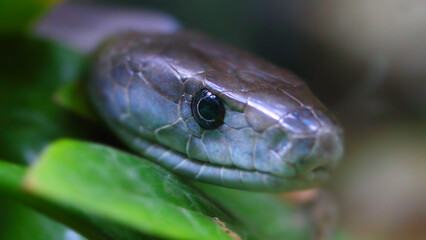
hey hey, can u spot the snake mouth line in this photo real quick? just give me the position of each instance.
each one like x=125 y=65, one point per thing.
x=321 y=170
x=218 y=174
x=242 y=178
x=224 y=175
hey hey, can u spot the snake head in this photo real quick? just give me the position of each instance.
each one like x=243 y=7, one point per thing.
x=213 y=113
x=293 y=139
x=276 y=126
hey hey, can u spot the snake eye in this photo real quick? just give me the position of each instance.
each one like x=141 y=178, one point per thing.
x=208 y=109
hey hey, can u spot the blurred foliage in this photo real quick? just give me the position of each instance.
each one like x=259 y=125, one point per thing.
x=18 y=223
x=17 y=16
x=32 y=70
x=13 y=193
x=73 y=97
x=123 y=188
x=283 y=220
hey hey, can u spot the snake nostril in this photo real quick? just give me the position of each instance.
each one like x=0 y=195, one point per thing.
x=311 y=166
x=320 y=172
x=320 y=169
x=323 y=157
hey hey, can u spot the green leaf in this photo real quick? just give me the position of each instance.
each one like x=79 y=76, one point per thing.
x=263 y=215
x=18 y=15
x=18 y=222
x=10 y=178
x=125 y=189
x=11 y=191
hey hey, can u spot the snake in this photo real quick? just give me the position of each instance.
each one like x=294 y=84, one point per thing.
x=202 y=109
x=213 y=113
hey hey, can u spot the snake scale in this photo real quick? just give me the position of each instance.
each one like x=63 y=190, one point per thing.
x=213 y=113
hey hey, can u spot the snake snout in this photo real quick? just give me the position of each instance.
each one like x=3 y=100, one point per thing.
x=323 y=157
x=315 y=144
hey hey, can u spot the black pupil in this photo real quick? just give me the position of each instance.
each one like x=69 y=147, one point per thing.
x=208 y=109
